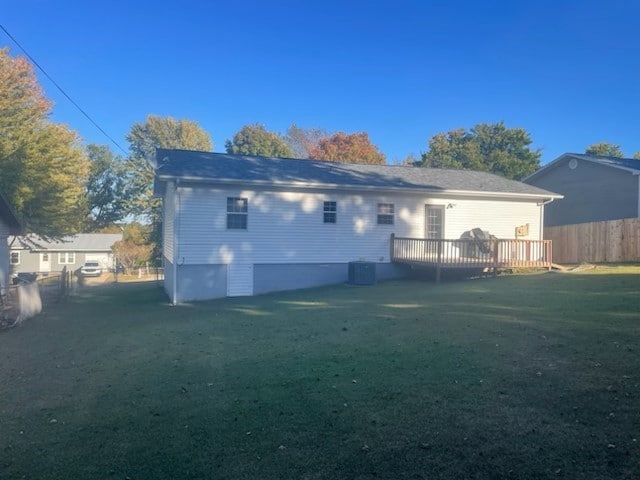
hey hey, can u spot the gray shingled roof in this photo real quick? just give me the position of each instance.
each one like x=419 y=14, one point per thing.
x=83 y=242
x=631 y=165
x=244 y=169
x=628 y=163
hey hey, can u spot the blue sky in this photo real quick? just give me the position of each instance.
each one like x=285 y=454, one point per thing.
x=566 y=71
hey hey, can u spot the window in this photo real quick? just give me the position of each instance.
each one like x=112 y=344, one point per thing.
x=385 y=213
x=237 y=213
x=66 y=258
x=330 y=212
x=15 y=258
x=434 y=221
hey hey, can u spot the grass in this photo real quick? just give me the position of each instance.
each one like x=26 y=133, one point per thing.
x=534 y=376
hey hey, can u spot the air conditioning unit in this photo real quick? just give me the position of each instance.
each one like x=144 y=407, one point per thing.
x=362 y=273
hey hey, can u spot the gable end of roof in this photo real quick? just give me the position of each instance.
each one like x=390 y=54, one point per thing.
x=630 y=165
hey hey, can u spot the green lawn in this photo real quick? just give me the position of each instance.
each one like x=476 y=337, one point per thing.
x=523 y=377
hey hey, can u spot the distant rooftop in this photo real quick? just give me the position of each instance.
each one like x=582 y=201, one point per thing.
x=246 y=169
x=83 y=242
x=628 y=163
x=631 y=165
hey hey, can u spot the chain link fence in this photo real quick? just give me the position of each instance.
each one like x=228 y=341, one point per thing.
x=27 y=297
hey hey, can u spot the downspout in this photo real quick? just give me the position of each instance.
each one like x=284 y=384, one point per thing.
x=176 y=224
x=541 y=205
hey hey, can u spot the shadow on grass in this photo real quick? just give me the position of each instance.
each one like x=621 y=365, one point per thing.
x=512 y=377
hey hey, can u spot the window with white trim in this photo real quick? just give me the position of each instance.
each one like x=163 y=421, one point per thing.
x=66 y=258
x=330 y=212
x=386 y=213
x=15 y=258
x=237 y=213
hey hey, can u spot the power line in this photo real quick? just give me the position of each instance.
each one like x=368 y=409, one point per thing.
x=61 y=90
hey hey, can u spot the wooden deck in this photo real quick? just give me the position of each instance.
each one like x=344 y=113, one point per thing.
x=470 y=253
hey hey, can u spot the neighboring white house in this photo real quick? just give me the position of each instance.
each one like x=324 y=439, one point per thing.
x=31 y=253
x=241 y=225
x=9 y=225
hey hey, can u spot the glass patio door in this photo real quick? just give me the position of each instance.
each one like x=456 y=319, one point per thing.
x=434 y=222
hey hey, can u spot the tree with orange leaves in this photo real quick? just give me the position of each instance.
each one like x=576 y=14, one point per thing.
x=347 y=148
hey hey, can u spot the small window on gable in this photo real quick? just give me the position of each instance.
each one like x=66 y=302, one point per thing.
x=330 y=212
x=237 y=213
x=15 y=258
x=386 y=213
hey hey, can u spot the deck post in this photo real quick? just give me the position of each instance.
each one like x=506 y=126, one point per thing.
x=496 y=256
x=439 y=261
x=391 y=255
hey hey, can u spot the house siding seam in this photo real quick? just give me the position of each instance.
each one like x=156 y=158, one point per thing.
x=287 y=227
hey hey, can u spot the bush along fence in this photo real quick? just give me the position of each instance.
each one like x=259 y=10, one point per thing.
x=597 y=242
x=26 y=298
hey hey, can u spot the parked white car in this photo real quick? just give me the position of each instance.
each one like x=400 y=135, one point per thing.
x=91 y=269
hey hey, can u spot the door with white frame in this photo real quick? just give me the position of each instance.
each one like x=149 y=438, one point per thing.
x=434 y=222
x=45 y=262
x=239 y=279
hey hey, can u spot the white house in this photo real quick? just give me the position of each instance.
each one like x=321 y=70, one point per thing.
x=242 y=225
x=9 y=225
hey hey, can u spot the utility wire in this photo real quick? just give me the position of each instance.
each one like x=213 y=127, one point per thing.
x=61 y=90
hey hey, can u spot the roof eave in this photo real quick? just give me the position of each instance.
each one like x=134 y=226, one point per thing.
x=329 y=186
x=578 y=157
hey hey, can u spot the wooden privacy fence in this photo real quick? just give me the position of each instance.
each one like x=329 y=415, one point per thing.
x=471 y=253
x=611 y=241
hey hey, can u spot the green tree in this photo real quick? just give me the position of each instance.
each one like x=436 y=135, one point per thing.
x=256 y=140
x=144 y=138
x=348 y=148
x=106 y=188
x=605 y=149
x=636 y=155
x=43 y=168
x=136 y=246
x=302 y=140
x=486 y=147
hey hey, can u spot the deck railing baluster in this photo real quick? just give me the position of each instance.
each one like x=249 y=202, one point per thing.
x=462 y=253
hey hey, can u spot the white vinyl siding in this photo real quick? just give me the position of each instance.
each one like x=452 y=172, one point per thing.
x=285 y=226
